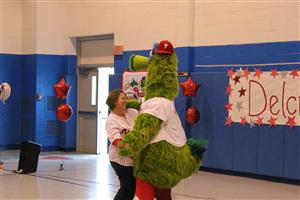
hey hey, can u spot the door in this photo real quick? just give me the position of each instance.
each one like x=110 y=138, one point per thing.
x=87 y=110
x=93 y=52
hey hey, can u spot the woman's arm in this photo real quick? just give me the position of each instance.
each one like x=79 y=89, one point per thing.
x=146 y=128
x=113 y=132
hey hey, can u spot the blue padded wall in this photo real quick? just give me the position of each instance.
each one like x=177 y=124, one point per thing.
x=275 y=52
x=24 y=118
x=50 y=68
x=10 y=118
x=211 y=106
x=28 y=93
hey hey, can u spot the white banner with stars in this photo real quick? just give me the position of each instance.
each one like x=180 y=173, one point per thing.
x=263 y=97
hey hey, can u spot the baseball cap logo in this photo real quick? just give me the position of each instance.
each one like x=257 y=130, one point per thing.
x=166 y=45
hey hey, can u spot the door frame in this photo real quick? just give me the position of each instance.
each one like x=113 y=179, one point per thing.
x=94 y=66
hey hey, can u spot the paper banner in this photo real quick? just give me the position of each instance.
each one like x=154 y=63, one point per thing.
x=133 y=84
x=263 y=97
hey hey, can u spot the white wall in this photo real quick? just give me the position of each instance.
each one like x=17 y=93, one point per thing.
x=135 y=25
x=219 y=23
x=50 y=27
x=10 y=27
x=29 y=27
x=47 y=26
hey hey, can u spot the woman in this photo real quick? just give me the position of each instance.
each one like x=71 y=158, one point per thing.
x=119 y=122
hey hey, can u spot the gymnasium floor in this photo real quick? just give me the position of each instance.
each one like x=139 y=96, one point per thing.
x=91 y=177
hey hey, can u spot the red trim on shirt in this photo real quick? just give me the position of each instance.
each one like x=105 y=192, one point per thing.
x=116 y=142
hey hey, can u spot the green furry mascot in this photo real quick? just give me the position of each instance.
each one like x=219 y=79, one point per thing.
x=162 y=154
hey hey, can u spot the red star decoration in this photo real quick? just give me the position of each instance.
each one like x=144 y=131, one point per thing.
x=236 y=79
x=243 y=121
x=228 y=106
x=258 y=72
x=189 y=87
x=291 y=122
x=274 y=73
x=246 y=73
x=230 y=73
x=229 y=90
x=294 y=73
x=61 y=89
x=228 y=121
x=272 y=121
x=242 y=92
x=259 y=121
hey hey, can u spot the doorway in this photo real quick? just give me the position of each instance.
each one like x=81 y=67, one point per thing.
x=95 y=64
x=103 y=91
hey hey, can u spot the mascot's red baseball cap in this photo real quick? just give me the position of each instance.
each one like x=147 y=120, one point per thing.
x=164 y=47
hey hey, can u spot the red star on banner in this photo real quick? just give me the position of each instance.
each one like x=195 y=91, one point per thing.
x=274 y=73
x=259 y=121
x=228 y=121
x=242 y=92
x=243 y=121
x=258 y=72
x=272 y=121
x=228 y=106
x=229 y=90
x=291 y=122
x=230 y=73
x=294 y=73
x=236 y=79
x=246 y=73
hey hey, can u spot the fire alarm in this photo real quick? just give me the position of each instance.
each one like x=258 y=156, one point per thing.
x=118 y=50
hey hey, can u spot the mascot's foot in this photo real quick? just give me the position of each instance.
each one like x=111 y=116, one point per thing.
x=147 y=191
x=163 y=194
x=144 y=190
x=197 y=147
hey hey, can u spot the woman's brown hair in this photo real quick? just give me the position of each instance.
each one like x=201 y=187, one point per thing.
x=113 y=98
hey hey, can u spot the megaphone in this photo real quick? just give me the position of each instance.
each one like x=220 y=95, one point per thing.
x=138 y=63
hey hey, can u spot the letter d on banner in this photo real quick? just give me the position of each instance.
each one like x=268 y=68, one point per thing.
x=259 y=92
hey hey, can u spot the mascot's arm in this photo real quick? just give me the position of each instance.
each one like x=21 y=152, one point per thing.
x=133 y=104
x=146 y=127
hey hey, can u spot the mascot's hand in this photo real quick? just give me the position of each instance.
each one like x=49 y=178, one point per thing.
x=146 y=128
x=125 y=149
x=133 y=104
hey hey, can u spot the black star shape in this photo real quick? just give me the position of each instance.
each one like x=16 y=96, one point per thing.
x=236 y=79
x=242 y=92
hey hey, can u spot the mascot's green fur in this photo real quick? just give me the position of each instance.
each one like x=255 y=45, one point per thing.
x=161 y=164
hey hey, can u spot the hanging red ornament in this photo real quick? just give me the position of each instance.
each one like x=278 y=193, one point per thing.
x=192 y=115
x=189 y=87
x=61 y=89
x=64 y=112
